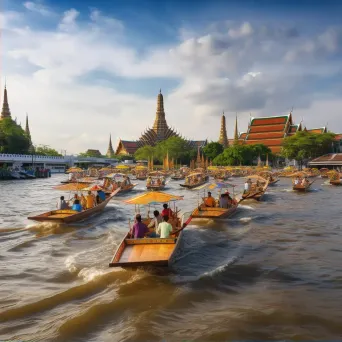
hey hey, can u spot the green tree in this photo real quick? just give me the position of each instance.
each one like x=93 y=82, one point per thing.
x=212 y=150
x=145 y=152
x=176 y=147
x=45 y=150
x=13 y=138
x=305 y=145
x=241 y=155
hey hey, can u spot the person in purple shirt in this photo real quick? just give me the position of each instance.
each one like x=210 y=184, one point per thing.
x=139 y=229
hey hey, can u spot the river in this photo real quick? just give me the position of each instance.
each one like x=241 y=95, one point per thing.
x=271 y=272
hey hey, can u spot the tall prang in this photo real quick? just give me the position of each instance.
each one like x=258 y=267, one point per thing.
x=236 y=133
x=27 y=129
x=160 y=126
x=223 y=140
x=110 y=152
x=5 y=112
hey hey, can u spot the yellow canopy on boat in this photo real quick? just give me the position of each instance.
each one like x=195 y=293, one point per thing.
x=141 y=167
x=71 y=186
x=95 y=187
x=74 y=169
x=124 y=167
x=153 y=197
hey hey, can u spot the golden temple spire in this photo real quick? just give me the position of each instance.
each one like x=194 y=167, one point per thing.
x=5 y=113
x=160 y=126
x=223 y=140
x=236 y=134
x=27 y=129
x=110 y=152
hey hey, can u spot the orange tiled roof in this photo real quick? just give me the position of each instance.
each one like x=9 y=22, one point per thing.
x=317 y=130
x=267 y=142
x=272 y=120
x=265 y=135
x=266 y=128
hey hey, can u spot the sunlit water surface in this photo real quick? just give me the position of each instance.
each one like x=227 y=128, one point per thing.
x=272 y=271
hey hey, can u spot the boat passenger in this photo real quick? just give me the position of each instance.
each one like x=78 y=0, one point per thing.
x=139 y=229
x=209 y=201
x=62 y=204
x=83 y=202
x=77 y=206
x=296 y=181
x=167 y=211
x=156 y=220
x=224 y=201
x=164 y=228
x=90 y=200
x=101 y=196
x=247 y=186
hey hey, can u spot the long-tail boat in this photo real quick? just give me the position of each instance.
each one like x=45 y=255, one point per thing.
x=272 y=179
x=195 y=180
x=115 y=181
x=71 y=216
x=155 y=181
x=334 y=177
x=133 y=252
x=300 y=181
x=217 y=212
x=256 y=191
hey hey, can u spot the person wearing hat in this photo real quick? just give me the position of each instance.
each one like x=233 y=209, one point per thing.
x=209 y=201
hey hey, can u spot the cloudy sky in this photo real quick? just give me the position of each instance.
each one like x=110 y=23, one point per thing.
x=84 y=69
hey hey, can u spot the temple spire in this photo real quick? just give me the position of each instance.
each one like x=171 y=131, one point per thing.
x=27 y=129
x=160 y=126
x=5 y=113
x=110 y=152
x=223 y=140
x=236 y=134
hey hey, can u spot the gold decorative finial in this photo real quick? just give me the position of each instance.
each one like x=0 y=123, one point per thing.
x=223 y=139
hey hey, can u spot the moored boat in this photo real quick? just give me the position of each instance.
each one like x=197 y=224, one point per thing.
x=155 y=181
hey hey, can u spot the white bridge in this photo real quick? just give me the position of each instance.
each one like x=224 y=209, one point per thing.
x=55 y=164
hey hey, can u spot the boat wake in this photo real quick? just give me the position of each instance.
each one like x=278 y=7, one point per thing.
x=219 y=269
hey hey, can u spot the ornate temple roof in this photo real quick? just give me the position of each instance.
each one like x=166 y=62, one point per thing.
x=151 y=136
x=223 y=140
x=5 y=112
x=127 y=147
x=269 y=131
x=317 y=130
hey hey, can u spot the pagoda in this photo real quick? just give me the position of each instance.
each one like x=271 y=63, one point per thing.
x=27 y=130
x=110 y=152
x=223 y=140
x=160 y=131
x=5 y=112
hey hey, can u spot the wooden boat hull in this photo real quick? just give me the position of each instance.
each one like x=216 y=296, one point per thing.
x=188 y=186
x=274 y=182
x=213 y=213
x=178 y=178
x=70 y=216
x=301 y=188
x=155 y=187
x=337 y=182
x=145 y=252
x=127 y=189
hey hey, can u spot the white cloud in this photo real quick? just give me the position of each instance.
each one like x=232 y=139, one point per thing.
x=38 y=8
x=235 y=69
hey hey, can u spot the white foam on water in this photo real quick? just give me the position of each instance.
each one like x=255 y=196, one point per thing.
x=220 y=268
x=70 y=264
x=89 y=274
x=246 y=219
x=247 y=207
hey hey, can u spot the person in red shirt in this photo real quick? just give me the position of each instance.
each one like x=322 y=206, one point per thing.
x=167 y=211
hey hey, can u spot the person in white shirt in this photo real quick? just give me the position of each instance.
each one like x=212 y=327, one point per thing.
x=247 y=185
x=62 y=204
x=164 y=228
x=296 y=182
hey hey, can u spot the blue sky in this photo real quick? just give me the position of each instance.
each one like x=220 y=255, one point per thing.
x=99 y=65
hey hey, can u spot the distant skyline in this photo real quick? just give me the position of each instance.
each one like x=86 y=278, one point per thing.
x=84 y=69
